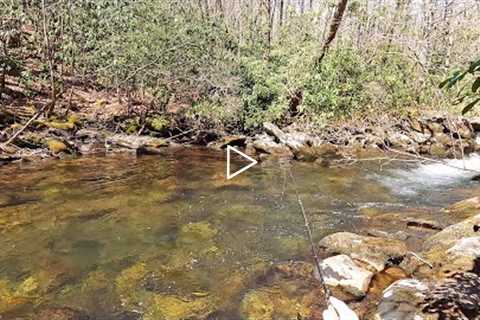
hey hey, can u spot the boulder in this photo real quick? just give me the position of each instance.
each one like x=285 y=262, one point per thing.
x=419 y=137
x=376 y=252
x=402 y=300
x=343 y=272
x=56 y=146
x=137 y=144
x=231 y=140
x=266 y=144
x=294 y=140
x=400 y=140
x=457 y=297
x=453 y=250
x=448 y=237
x=469 y=247
x=465 y=208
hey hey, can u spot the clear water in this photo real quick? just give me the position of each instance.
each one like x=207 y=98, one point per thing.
x=168 y=237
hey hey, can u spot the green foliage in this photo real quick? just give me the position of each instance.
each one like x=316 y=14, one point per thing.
x=469 y=94
x=219 y=77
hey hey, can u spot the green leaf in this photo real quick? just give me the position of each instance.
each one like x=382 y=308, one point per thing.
x=476 y=85
x=444 y=83
x=470 y=106
x=474 y=66
x=456 y=77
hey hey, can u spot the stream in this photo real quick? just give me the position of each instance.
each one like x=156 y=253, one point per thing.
x=121 y=237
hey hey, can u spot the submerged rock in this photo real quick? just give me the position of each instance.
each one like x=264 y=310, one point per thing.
x=129 y=282
x=171 y=307
x=61 y=313
x=193 y=233
x=257 y=305
x=376 y=252
x=343 y=272
x=273 y=303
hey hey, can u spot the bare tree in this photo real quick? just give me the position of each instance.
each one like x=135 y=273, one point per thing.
x=334 y=26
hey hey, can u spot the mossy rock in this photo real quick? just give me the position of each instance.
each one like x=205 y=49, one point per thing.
x=245 y=214
x=273 y=303
x=58 y=125
x=257 y=305
x=171 y=307
x=129 y=284
x=56 y=146
x=28 y=288
x=192 y=233
x=11 y=299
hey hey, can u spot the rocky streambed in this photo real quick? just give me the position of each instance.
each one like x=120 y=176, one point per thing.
x=438 y=136
x=385 y=280
x=167 y=237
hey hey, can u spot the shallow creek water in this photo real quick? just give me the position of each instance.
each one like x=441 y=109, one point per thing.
x=168 y=237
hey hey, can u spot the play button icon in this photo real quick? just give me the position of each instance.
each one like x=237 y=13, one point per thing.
x=243 y=155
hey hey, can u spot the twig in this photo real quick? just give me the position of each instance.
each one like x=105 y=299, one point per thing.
x=421 y=259
x=16 y=134
x=179 y=135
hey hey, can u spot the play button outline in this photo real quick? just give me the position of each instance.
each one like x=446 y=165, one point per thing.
x=245 y=168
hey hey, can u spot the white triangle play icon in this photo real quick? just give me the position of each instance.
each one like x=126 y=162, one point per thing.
x=252 y=162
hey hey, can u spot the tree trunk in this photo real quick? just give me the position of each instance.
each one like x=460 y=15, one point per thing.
x=49 y=57
x=282 y=4
x=334 y=26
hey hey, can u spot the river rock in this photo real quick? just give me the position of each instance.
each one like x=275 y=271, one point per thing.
x=294 y=140
x=455 y=249
x=266 y=144
x=465 y=208
x=170 y=307
x=402 y=301
x=457 y=297
x=56 y=146
x=400 y=140
x=374 y=251
x=61 y=313
x=419 y=137
x=138 y=144
x=469 y=247
x=449 y=236
x=342 y=271
x=231 y=140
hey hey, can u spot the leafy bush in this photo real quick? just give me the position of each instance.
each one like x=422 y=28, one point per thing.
x=468 y=95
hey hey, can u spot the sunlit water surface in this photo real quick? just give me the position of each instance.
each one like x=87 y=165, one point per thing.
x=110 y=235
